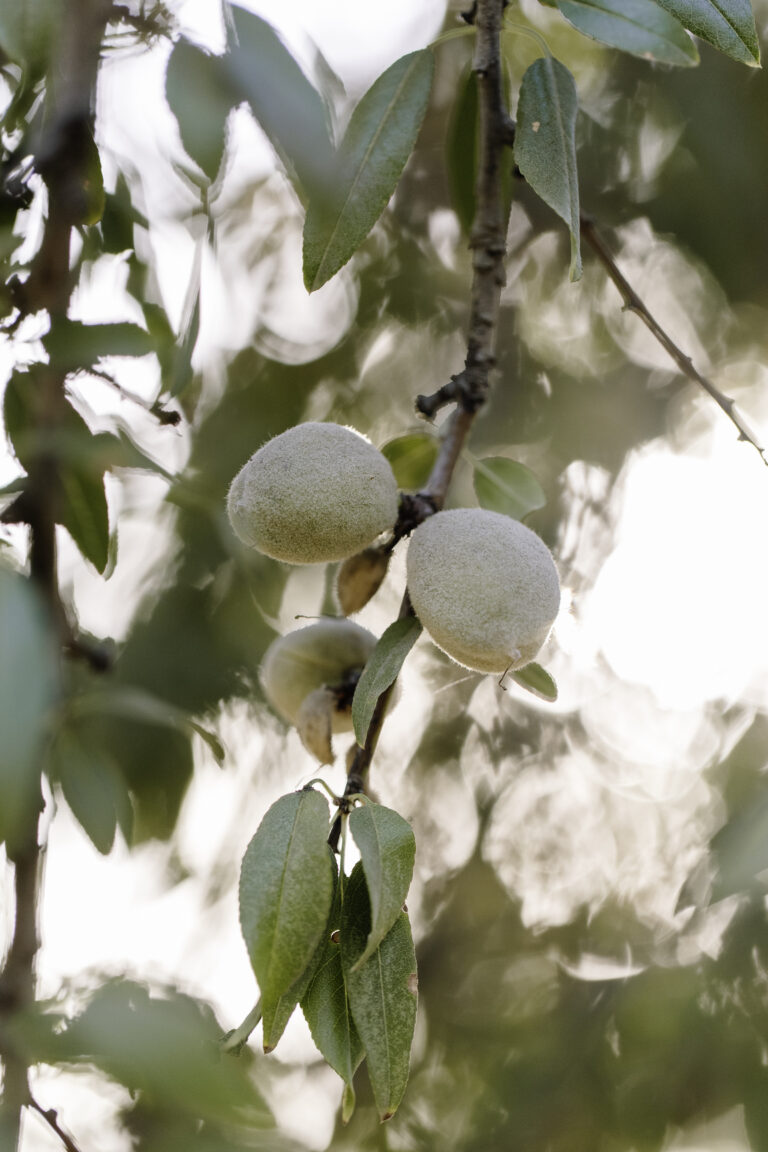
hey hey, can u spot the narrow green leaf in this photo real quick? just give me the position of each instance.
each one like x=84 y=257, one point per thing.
x=28 y=664
x=121 y=451
x=412 y=458
x=13 y=487
x=461 y=151
x=503 y=485
x=200 y=96
x=326 y=1007
x=82 y=505
x=27 y=30
x=165 y=1046
x=545 y=147
x=382 y=994
x=92 y=786
x=276 y=1013
x=71 y=344
x=348 y=1101
x=286 y=105
x=728 y=25
x=378 y=141
x=119 y=218
x=387 y=851
x=537 y=681
x=286 y=889
x=83 y=512
x=382 y=669
x=19 y=414
x=136 y=704
x=639 y=27
x=92 y=183
x=189 y=329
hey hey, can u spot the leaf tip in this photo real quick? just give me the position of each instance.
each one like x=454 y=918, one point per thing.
x=348 y=1101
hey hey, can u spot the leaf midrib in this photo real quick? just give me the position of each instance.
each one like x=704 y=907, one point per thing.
x=280 y=898
x=361 y=166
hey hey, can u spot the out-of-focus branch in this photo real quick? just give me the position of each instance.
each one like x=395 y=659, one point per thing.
x=469 y=388
x=61 y=158
x=52 y=1120
x=633 y=303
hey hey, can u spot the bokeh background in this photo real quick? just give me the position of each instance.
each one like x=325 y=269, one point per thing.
x=588 y=906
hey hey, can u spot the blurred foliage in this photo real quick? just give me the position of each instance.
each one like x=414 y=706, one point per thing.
x=523 y=1043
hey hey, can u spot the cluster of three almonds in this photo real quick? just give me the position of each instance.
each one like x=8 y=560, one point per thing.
x=484 y=586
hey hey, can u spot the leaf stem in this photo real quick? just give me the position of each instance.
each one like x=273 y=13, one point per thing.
x=236 y=1040
x=511 y=28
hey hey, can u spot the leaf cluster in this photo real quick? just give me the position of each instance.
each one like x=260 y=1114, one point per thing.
x=340 y=946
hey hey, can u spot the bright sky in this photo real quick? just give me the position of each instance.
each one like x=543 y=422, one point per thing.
x=672 y=630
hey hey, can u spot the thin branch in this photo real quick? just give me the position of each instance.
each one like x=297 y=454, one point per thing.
x=633 y=303
x=488 y=240
x=488 y=243
x=152 y=25
x=52 y=1120
x=153 y=407
x=17 y=983
x=446 y=394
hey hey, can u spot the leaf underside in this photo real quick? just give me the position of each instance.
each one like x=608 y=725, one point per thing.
x=639 y=27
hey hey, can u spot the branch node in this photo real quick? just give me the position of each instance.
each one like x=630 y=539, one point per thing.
x=446 y=394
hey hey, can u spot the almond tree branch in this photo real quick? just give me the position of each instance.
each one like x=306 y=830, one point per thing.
x=52 y=1120
x=469 y=388
x=633 y=303
x=61 y=159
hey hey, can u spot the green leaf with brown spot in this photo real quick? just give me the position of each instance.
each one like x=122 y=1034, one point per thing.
x=545 y=146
